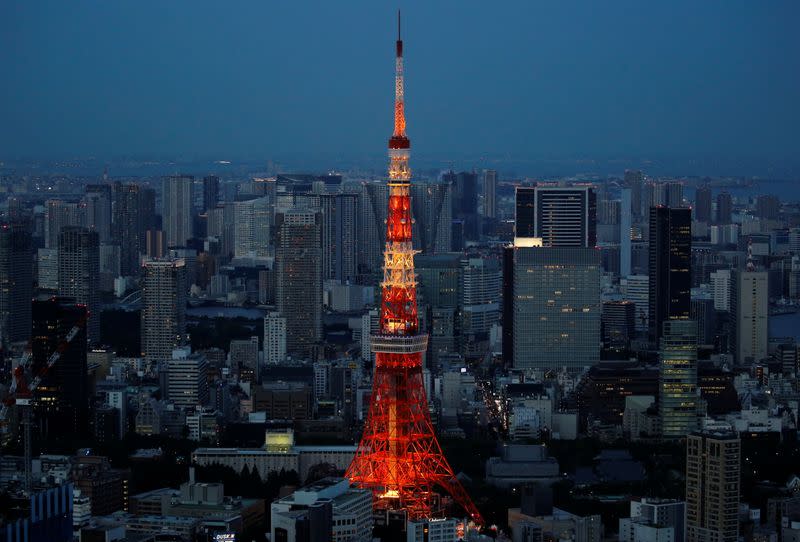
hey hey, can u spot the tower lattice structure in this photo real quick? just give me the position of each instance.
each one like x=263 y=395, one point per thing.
x=399 y=457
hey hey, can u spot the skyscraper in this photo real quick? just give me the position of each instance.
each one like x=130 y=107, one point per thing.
x=251 y=227
x=724 y=208
x=618 y=325
x=60 y=214
x=372 y=216
x=431 y=207
x=79 y=272
x=750 y=310
x=525 y=211
x=552 y=298
x=633 y=179
x=560 y=216
x=163 y=318
x=490 y=193
x=713 y=463
x=677 y=399
x=177 y=209
x=669 y=267
x=98 y=210
x=464 y=186
x=16 y=282
x=298 y=292
x=339 y=236
x=61 y=402
x=702 y=204
x=625 y=254
x=134 y=214
x=210 y=192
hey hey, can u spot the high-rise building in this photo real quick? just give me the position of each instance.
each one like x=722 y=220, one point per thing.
x=678 y=394
x=713 y=463
x=187 y=378
x=721 y=281
x=134 y=214
x=490 y=193
x=60 y=214
x=431 y=209
x=560 y=216
x=298 y=291
x=210 y=192
x=667 y=194
x=97 y=202
x=61 y=402
x=634 y=179
x=525 y=211
x=552 y=307
x=274 y=338
x=636 y=288
x=339 y=236
x=618 y=325
x=669 y=267
x=163 y=319
x=768 y=207
x=625 y=225
x=702 y=204
x=16 y=282
x=79 y=272
x=464 y=186
x=177 y=209
x=155 y=243
x=750 y=308
x=481 y=292
x=724 y=208
x=373 y=201
x=251 y=226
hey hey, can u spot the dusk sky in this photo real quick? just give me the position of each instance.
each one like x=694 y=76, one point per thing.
x=110 y=78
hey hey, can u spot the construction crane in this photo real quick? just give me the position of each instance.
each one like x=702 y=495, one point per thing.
x=20 y=393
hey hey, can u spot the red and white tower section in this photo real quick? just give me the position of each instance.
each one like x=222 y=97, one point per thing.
x=399 y=458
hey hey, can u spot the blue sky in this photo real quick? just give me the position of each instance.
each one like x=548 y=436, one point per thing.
x=528 y=78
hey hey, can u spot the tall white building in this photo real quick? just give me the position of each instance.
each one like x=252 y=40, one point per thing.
x=751 y=310
x=252 y=227
x=274 y=338
x=163 y=318
x=177 y=209
x=721 y=289
x=480 y=294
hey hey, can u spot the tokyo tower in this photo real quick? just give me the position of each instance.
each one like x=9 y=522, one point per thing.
x=399 y=458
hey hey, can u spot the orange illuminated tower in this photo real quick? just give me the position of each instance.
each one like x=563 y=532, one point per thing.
x=399 y=458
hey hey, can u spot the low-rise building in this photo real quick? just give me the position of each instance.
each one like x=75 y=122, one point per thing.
x=351 y=511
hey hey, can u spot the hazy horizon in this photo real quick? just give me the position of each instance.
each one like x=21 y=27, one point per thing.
x=712 y=84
